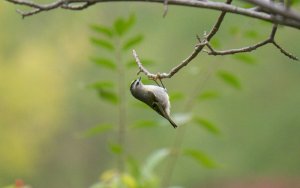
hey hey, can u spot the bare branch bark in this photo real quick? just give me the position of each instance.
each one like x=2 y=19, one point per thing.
x=270 y=40
x=276 y=8
x=180 y=135
x=267 y=10
x=142 y=68
x=288 y=17
x=185 y=62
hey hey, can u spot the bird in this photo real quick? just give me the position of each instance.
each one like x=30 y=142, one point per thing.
x=154 y=96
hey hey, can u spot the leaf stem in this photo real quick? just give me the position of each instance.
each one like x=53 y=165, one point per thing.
x=122 y=106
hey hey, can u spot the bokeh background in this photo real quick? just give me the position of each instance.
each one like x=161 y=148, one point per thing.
x=45 y=104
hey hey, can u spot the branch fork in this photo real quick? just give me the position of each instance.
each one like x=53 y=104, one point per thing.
x=205 y=42
x=264 y=10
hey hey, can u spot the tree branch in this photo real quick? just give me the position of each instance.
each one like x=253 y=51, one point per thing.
x=185 y=62
x=142 y=68
x=266 y=10
x=276 y=9
x=288 y=18
x=37 y=8
x=270 y=40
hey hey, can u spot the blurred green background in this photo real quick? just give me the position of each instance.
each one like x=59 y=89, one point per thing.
x=45 y=104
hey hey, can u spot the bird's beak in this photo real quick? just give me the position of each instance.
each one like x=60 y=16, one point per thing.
x=139 y=79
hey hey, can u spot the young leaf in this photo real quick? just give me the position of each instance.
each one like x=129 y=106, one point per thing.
x=207 y=125
x=131 y=21
x=103 y=30
x=119 y=26
x=133 y=166
x=116 y=148
x=230 y=79
x=293 y=2
x=201 y=158
x=208 y=95
x=245 y=58
x=102 y=43
x=144 y=124
x=102 y=128
x=107 y=63
x=132 y=64
x=108 y=95
x=154 y=160
x=122 y=26
x=128 y=181
x=132 y=42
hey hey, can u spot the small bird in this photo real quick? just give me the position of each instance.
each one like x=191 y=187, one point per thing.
x=154 y=96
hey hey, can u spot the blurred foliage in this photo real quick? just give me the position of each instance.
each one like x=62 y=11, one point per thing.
x=115 y=40
x=46 y=113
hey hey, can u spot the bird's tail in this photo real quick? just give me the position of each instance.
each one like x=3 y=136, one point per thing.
x=159 y=109
x=172 y=122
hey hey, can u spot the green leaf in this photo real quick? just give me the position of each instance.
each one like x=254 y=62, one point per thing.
x=293 y=2
x=146 y=62
x=102 y=43
x=175 y=96
x=207 y=95
x=133 y=167
x=104 y=89
x=245 y=58
x=116 y=148
x=230 y=79
x=102 y=128
x=122 y=26
x=144 y=124
x=208 y=125
x=153 y=161
x=201 y=158
x=103 y=30
x=102 y=85
x=108 y=95
x=132 y=42
x=107 y=63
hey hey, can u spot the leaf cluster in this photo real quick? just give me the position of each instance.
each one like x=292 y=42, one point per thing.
x=115 y=40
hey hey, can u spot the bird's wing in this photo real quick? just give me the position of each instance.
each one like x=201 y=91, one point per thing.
x=157 y=106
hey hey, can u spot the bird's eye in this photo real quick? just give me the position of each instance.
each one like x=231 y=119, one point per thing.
x=137 y=83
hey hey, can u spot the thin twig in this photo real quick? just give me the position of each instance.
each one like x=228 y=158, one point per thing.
x=165 y=8
x=207 y=4
x=180 y=135
x=185 y=62
x=284 y=51
x=270 y=40
x=37 y=8
x=142 y=68
x=234 y=51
